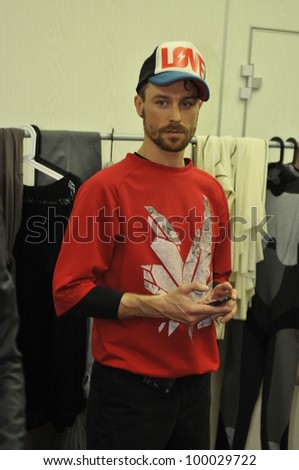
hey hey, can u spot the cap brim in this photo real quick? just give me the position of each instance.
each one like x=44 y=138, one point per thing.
x=168 y=78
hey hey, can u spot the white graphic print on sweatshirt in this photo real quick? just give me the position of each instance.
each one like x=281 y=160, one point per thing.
x=172 y=271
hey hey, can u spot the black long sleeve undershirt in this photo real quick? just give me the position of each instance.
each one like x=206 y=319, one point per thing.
x=100 y=302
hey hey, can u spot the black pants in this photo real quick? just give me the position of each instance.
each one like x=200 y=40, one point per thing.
x=128 y=411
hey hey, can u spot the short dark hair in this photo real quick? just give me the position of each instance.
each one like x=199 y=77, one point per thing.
x=186 y=85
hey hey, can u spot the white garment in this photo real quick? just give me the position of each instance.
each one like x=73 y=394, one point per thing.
x=240 y=165
x=214 y=155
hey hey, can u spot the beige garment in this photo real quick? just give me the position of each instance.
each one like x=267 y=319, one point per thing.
x=214 y=155
x=251 y=164
x=240 y=165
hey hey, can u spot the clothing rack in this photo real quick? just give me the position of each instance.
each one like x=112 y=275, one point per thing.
x=112 y=137
x=131 y=138
x=121 y=137
x=139 y=137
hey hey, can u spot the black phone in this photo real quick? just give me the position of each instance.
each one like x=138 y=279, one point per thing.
x=220 y=301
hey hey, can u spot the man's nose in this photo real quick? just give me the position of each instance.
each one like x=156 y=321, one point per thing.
x=175 y=113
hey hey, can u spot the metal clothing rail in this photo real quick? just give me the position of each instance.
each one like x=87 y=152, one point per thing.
x=128 y=137
x=131 y=137
x=112 y=137
x=139 y=137
x=122 y=137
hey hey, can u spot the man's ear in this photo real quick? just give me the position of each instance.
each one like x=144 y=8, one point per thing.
x=138 y=105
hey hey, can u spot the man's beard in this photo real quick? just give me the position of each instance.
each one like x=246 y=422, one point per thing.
x=170 y=144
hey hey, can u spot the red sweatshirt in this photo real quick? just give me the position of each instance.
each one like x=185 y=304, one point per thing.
x=142 y=227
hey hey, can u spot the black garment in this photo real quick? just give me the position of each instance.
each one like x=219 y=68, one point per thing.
x=53 y=349
x=128 y=411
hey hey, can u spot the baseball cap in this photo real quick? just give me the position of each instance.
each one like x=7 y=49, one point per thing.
x=173 y=61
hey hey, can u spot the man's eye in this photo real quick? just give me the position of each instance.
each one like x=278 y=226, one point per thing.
x=161 y=103
x=187 y=104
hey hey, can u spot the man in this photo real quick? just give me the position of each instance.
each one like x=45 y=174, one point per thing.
x=147 y=241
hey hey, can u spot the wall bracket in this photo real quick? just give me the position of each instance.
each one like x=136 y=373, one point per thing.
x=252 y=83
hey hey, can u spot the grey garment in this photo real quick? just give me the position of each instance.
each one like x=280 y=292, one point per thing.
x=276 y=407
x=75 y=437
x=11 y=181
x=71 y=151
x=12 y=396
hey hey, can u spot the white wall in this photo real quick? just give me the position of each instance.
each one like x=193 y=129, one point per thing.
x=74 y=64
x=243 y=15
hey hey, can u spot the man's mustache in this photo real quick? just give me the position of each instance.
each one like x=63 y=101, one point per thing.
x=174 y=128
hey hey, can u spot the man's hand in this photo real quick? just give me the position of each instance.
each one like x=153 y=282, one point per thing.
x=185 y=304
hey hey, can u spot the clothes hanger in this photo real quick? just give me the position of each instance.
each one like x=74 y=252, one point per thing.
x=294 y=141
x=278 y=174
x=281 y=144
x=29 y=158
x=110 y=162
x=276 y=178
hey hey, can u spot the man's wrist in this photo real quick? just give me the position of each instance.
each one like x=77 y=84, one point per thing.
x=138 y=305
